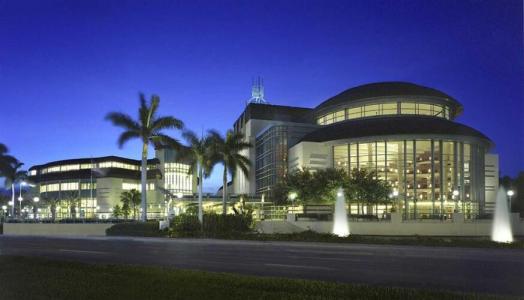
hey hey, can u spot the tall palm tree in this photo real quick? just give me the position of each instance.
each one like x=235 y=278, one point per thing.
x=13 y=174
x=228 y=150
x=199 y=155
x=147 y=128
x=6 y=160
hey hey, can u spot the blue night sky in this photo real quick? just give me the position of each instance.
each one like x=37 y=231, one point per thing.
x=65 y=64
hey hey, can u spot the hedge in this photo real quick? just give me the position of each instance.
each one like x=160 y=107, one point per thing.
x=149 y=229
x=213 y=225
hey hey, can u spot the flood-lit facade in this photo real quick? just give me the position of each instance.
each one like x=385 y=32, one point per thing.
x=93 y=186
x=432 y=177
x=404 y=132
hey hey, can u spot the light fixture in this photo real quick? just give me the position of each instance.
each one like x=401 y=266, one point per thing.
x=4 y=207
x=20 y=199
x=36 y=199
x=292 y=196
x=510 y=193
x=179 y=195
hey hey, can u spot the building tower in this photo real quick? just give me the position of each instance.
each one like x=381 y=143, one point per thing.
x=257 y=92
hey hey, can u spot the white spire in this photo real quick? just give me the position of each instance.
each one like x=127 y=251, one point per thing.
x=257 y=92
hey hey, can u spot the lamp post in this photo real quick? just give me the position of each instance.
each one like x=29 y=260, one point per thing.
x=455 y=194
x=4 y=211
x=510 y=194
x=35 y=200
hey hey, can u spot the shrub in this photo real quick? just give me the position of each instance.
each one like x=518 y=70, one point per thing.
x=214 y=225
x=185 y=226
x=149 y=229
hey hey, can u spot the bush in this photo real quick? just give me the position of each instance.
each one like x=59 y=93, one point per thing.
x=214 y=225
x=149 y=229
x=185 y=226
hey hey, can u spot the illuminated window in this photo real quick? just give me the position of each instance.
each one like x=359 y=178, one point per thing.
x=371 y=110
x=407 y=108
x=137 y=186
x=355 y=113
x=69 y=186
x=32 y=172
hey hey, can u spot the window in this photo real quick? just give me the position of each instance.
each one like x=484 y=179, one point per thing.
x=407 y=108
x=69 y=186
x=355 y=113
x=388 y=108
x=137 y=186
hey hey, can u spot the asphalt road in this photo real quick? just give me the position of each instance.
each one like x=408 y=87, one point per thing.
x=495 y=271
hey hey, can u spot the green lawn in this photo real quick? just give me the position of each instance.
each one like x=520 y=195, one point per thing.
x=37 y=278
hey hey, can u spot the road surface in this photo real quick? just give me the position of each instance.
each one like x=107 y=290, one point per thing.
x=495 y=271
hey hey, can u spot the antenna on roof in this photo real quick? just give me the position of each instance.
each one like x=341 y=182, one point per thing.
x=257 y=91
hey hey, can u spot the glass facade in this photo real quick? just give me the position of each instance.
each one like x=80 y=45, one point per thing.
x=387 y=108
x=271 y=158
x=433 y=178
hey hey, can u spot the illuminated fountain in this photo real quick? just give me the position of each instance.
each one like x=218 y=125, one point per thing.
x=340 y=219
x=501 y=228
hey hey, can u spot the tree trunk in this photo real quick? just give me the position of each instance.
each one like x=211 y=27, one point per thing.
x=200 y=191
x=224 y=191
x=12 y=200
x=144 y=182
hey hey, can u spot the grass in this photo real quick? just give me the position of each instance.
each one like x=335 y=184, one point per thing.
x=38 y=278
x=310 y=236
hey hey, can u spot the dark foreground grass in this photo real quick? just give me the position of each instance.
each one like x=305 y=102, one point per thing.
x=38 y=278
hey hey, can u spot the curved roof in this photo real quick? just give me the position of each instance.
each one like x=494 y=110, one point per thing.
x=88 y=160
x=385 y=89
x=401 y=125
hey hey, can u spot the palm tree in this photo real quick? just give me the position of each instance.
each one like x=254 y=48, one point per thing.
x=131 y=198
x=13 y=174
x=228 y=150
x=5 y=159
x=149 y=129
x=199 y=155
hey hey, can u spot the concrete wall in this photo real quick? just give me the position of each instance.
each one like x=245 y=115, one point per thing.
x=56 y=229
x=457 y=227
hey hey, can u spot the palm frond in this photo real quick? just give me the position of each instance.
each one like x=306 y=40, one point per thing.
x=123 y=120
x=166 y=141
x=166 y=123
x=126 y=136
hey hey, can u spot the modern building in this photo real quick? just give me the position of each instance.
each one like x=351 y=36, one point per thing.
x=98 y=183
x=405 y=132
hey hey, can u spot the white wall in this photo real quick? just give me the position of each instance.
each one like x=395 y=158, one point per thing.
x=311 y=155
x=55 y=229
x=458 y=227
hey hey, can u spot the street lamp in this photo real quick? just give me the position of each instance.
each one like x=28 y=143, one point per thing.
x=35 y=200
x=20 y=199
x=510 y=194
x=4 y=210
x=455 y=194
